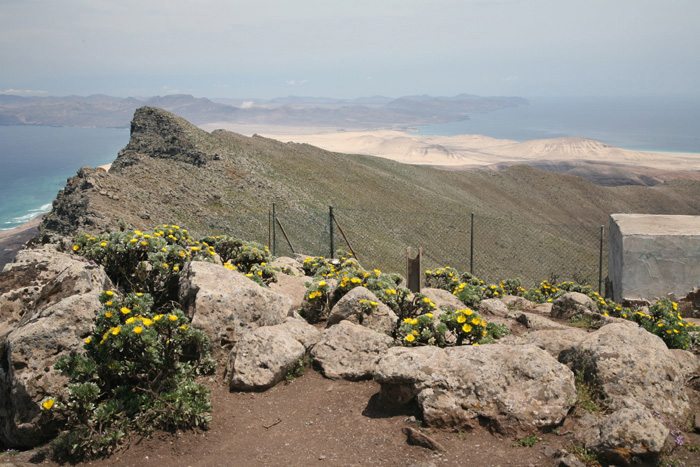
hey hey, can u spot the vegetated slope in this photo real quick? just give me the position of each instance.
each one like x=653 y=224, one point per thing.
x=171 y=171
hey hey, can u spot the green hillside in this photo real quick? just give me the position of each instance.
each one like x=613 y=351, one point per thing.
x=528 y=223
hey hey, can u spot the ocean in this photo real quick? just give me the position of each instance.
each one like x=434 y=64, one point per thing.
x=669 y=124
x=37 y=160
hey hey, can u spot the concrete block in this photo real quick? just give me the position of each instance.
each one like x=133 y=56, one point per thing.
x=652 y=256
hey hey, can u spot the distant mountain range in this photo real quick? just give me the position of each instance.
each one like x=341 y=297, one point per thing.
x=368 y=112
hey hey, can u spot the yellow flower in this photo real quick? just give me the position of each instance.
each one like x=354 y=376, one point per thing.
x=116 y=330
x=144 y=243
x=373 y=303
x=109 y=292
x=355 y=280
x=661 y=325
x=88 y=340
x=466 y=328
x=183 y=327
x=475 y=343
x=76 y=247
x=47 y=404
x=676 y=331
x=182 y=254
x=108 y=303
x=157 y=317
x=133 y=240
x=410 y=338
x=415 y=333
x=427 y=272
x=414 y=321
x=475 y=321
x=467 y=312
x=407 y=320
x=429 y=315
x=172 y=318
x=138 y=329
x=165 y=265
x=103 y=244
x=125 y=310
x=147 y=322
x=130 y=320
x=461 y=319
x=259 y=273
x=322 y=283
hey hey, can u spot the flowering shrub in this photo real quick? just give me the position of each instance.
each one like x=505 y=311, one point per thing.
x=468 y=326
x=423 y=329
x=136 y=374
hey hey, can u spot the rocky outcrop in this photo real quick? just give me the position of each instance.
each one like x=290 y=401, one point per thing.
x=630 y=365
x=379 y=318
x=225 y=304
x=443 y=299
x=42 y=322
x=493 y=307
x=535 y=321
x=292 y=287
x=553 y=341
x=350 y=351
x=572 y=304
x=263 y=355
x=629 y=436
x=513 y=389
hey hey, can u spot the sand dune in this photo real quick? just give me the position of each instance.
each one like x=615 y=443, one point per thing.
x=481 y=151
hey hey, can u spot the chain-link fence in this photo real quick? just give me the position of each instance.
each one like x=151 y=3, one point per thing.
x=492 y=248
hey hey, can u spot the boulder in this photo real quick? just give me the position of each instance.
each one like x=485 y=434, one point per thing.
x=513 y=389
x=688 y=362
x=292 y=287
x=225 y=303
x=535 y=321
x=553 y=341
x=513 y=301
x=443 y=299
x=350 y=351
x=542 y=308
x=630 y=365
x=263 y=355
x=493 y=307
x=40 y=277
x=382 y=319
x=288 y=264
x=629 y=436
x=27 y=357
x=571 y=304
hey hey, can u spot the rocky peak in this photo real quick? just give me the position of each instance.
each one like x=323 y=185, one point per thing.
x=160 y=134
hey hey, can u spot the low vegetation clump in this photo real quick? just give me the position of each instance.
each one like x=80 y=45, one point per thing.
x=136 y=374
x=662 y=318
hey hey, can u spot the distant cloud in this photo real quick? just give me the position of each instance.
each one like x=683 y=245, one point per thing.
x=292 y=82
x=23 y=92
x=247 y=105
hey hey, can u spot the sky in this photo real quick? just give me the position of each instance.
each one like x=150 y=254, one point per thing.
x=348 y=49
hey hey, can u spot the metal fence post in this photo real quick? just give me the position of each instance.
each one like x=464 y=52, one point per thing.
x=471 y=248
x=274 y=229
x=600 y=264
x=330 y=224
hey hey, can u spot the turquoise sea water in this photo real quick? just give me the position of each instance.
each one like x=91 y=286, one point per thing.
x=670 y=124
x=35 y=162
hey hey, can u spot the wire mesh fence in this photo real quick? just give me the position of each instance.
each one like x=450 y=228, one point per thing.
x=493 y=248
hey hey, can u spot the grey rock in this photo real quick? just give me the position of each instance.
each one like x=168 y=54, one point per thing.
x=292 y=287
x=553 y=341
x=572 y=304
x=514 y=389
x=630 y=364
x=350 y=351
x=570 y=460
x=542 y=308
x=513 y=301
x=382 y=319
x=443 y=299
x=289 y=263
x=493 y=307
x=688 y=362
x=416 y=438
x=535 y=321
x=628 y=436
x=262 y=356
x=225 y=304
x=28 y=354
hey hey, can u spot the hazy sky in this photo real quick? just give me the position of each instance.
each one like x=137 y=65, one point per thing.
x=339 y=48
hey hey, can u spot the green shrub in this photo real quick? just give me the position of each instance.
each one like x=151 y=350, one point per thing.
x=137 y=373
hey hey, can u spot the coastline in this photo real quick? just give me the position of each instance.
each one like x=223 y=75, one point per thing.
x=12 y=240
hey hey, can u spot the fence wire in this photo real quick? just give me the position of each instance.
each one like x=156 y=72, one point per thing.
x=502 y=247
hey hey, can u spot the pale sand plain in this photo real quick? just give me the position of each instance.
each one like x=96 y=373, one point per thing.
x=466 y=151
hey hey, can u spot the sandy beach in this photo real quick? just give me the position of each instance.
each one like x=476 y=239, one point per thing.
x=13 y=239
